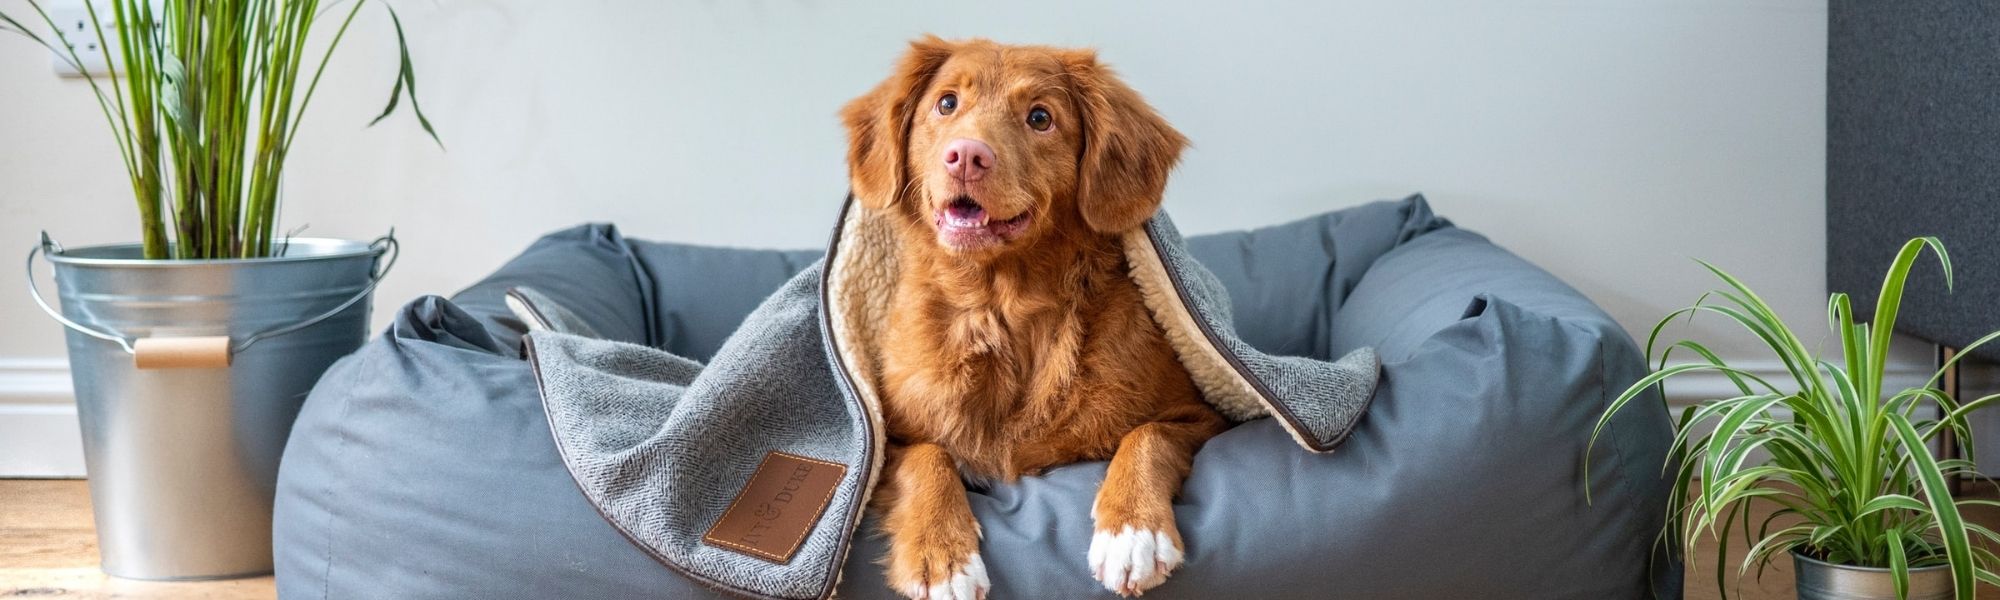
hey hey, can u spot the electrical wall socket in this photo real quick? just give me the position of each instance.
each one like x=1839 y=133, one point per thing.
x=72 y=20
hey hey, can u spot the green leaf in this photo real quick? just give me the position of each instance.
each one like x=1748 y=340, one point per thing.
x=406 y=77
x=1989 y=577
x=395 y=97
x=1958 y=414
x=1889 y=502
x=1786 y=344
x=1891 y=300
x=1982 y=531
x=1840 y=317
x=1722 y=541
x=1962 y=352
x=1726 y=431
x=1899 y=565
x=1784 y=539
x=1822 y=532
x=1950 y=526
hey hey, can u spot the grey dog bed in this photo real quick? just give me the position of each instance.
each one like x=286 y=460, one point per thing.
x=422 y=466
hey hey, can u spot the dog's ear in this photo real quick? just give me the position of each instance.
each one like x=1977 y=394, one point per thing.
x=878 y=124
x=1127 y=148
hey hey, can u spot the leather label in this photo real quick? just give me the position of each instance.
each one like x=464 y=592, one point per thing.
x=783 y=500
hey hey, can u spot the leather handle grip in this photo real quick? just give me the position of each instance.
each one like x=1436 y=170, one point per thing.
x=181 y=352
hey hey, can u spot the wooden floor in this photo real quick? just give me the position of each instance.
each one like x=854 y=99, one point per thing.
x=48 y=550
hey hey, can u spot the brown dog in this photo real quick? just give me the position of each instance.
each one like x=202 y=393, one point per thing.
x=1018 y=341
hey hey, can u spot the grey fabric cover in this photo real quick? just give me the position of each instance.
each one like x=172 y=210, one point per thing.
x=422 y=465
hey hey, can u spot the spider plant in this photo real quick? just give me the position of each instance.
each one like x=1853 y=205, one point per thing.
x=207 y=109
x=1850 y=474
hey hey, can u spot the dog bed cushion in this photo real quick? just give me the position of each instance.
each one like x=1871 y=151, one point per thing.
x=422 y=466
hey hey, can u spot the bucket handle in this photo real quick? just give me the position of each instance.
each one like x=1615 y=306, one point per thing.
x=183 y=352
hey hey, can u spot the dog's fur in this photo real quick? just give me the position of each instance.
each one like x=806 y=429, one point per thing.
x=1022 y=350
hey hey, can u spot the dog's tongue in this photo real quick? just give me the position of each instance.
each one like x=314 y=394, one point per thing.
x=963 y=212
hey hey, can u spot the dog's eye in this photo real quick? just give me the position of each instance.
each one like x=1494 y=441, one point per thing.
x=1038 y=118
x=947 y=104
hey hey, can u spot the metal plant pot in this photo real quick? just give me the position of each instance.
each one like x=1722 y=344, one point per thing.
x=188 y=376
x=1821 y=580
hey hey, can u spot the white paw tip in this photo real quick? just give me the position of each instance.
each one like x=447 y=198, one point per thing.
x=969 y=583
x=1131 y=561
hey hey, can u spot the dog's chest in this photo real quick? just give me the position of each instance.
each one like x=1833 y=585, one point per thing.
x=991 y=388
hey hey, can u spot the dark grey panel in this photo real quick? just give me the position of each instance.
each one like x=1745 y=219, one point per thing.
x=1913 y=148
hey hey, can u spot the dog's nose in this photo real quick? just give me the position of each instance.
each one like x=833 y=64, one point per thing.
x=967 y=159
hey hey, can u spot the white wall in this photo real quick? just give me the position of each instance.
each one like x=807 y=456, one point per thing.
x=1608 y=140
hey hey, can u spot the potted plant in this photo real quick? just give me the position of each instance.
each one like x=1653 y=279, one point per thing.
x=192 y=350
x=1859 y=502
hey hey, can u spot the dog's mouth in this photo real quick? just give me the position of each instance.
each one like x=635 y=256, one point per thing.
x=965 y=225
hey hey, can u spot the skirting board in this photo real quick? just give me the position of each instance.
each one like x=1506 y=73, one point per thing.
x=40 y=441
x=1692 y=388
x=39 y=436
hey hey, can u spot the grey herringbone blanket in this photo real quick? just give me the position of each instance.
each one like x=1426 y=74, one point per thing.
x=666 y=447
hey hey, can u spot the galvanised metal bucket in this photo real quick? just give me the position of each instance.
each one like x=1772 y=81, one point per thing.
x=188 y=376
x=1821 y=580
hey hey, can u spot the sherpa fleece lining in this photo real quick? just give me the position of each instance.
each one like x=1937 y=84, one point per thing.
x=859 y=285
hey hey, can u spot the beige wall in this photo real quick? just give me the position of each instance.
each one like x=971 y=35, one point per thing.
x=1608 y=140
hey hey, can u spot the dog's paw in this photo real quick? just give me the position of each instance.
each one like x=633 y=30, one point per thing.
x=940 y=580
x=1131 y=560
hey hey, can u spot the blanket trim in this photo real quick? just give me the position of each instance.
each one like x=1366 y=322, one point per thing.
x=871 y=450
x=597 y=504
